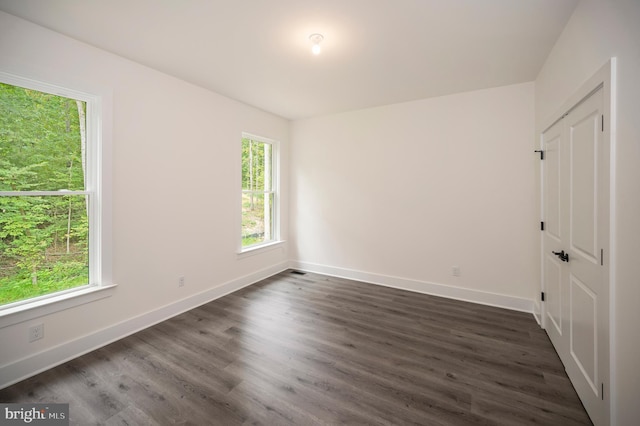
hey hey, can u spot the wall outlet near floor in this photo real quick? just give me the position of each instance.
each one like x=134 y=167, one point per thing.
x=36 y=332
x=455 y=271
x=181 y=282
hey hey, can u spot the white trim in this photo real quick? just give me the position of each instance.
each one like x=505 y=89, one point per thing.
x=38 y=307
x=40 y=86
x=612 y=102
x=31 y=365
x=603 y=77
x=260 y=248
x=258 y=138
x=424 y=287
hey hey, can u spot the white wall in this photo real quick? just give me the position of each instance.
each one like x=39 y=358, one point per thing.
x=401 y=193
x=597 y=31
x=176 y=181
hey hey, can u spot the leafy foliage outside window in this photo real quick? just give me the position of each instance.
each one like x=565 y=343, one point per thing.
x=44 y=225
x=258 y=195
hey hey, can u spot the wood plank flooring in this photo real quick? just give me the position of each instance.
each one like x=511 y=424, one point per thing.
x=310 y=349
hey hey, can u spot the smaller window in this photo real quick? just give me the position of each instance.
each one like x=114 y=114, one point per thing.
x=259 y=191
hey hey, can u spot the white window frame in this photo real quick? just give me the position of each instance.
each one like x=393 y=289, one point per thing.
x=97 y=160
x=275 y=190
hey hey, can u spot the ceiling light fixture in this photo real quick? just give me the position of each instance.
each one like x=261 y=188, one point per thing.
x=316 y=39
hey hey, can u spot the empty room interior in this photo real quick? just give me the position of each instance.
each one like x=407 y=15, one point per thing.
x=298 y=212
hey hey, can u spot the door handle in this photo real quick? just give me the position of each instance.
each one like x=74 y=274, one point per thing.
x=562 y=255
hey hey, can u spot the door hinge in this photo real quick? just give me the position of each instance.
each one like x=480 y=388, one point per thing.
x=541 y=153
x=542 y=226
x=602 y=393
x=603 y=122
x=601 y=257
x=542 y=296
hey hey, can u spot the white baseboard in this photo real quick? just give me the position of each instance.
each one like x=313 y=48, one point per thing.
x=442 y=290
x=537 y=311
x=30 y=366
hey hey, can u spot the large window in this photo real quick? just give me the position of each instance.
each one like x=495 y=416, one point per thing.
x=49 y=192
x=259 y=191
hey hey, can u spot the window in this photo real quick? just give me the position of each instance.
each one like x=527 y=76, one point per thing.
x=49 y=192
x=259 y=191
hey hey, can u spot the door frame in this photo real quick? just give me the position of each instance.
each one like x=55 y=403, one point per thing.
x=605 y=78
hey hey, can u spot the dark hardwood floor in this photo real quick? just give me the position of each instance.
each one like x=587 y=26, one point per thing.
x=310 y=349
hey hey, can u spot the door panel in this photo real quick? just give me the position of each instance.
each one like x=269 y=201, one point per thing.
x=584 y=137
x=576 y=208
x=584 y=331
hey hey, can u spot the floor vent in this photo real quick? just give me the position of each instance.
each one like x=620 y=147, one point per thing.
x=298 y=272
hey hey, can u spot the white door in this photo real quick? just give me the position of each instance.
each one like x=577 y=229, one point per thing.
x=576 y=246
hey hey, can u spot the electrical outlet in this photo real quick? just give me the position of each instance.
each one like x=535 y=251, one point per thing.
x=455 y=271
x=181 y=282
x=36 y=332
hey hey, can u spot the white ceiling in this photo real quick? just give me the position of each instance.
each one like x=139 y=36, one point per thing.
x=375 y=52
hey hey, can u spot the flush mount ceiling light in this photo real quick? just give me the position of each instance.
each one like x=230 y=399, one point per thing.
x=316 y=39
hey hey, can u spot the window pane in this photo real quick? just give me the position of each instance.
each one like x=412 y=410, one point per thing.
x=257 y=222
x=256 y=165
x=43 y=245
x=42 y=141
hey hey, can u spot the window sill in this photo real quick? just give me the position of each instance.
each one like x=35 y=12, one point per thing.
x=261 y=248
x=29 y=311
